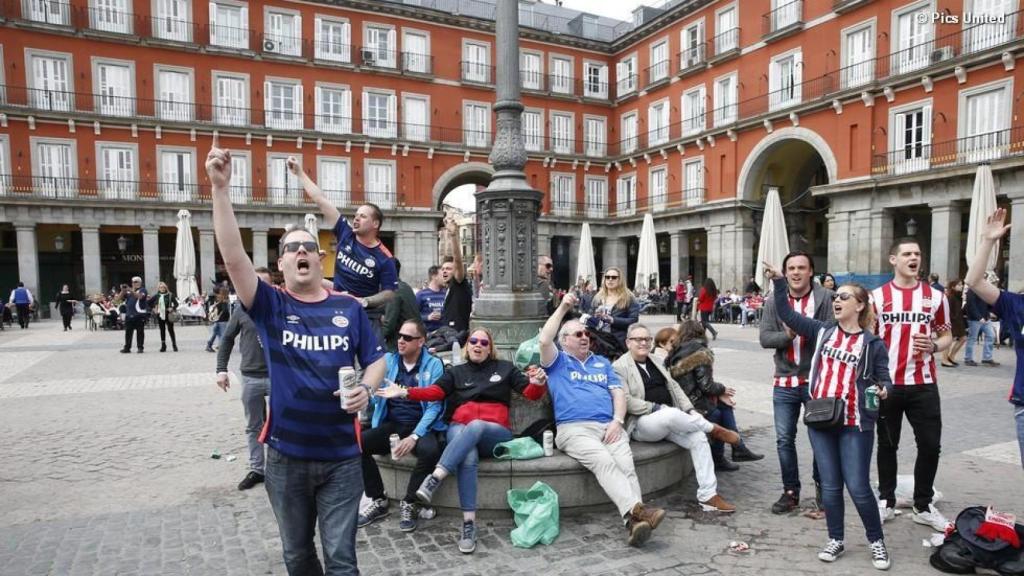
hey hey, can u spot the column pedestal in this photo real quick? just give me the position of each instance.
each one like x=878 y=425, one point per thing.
x=91 y=260
x=207 y=260
x=28 y=257
x=151 y=257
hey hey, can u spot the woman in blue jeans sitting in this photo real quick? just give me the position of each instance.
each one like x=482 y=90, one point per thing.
x=847 y=360
x=477 y=395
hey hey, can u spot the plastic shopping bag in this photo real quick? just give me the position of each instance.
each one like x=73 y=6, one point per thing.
x=524 y=448
x=528 y=353
x=536 y=515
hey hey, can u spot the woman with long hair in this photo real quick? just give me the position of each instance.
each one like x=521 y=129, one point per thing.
x=706 y=305
x=664 y=341
x=477 y=394
x=615 y=304
x=219 y=314
x=958 y=325
x=847 y=360
x=164 y=303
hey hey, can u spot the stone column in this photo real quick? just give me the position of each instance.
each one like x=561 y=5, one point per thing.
x=613 y=254
x=151 y=257
x=91 y=259
x=945 y=256
x=574 y=266
x=28 y=257
x=860 y=243
x=743 y=250
x=881 y=238
x=207 y=260
x=259 y=247
x=1015 y=282
x=679 y=249
x=838 y=243
x=715 y=256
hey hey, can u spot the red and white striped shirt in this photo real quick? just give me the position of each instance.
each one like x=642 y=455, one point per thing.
x=805 y=307
x=837 y=371
x=899 y=314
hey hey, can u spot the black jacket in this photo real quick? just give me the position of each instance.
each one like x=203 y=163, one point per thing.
x=976 y=308
x=489 y=381
x=691 y=366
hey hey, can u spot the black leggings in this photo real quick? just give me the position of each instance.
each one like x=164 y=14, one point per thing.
x=169 y=327
x=705 y=320
x=67 y=320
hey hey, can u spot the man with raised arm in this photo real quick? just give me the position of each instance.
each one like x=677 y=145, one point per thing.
x=458 y=303
x=313 y=468
x=1007 y=305
x=590 y=412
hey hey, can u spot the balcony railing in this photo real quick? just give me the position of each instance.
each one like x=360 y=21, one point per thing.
x=374 y=57
x=173 y=29
x=417 y=63
x=962 y=151
x=692 y=59
x=725 y=43
x=532 y=80
x=663 y=202
x=47 y=12
x=626 y=86
x=282 y=44
x=477 y=72
x=561 y=84
x=784 y=17
x=595 y=89
x=656 y=72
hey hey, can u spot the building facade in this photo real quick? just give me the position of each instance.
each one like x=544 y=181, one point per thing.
x=869 y=116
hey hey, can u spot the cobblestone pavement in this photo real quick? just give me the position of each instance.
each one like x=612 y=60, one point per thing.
x=107 y=471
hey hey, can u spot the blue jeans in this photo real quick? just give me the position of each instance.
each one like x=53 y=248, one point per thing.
x=989 y=336
x=725 y=417
x=216 y=333
x=787 y=403
x=301 y=492
x=1019 y=411
x=466 y=442
x=255 y=391
x=844 y=456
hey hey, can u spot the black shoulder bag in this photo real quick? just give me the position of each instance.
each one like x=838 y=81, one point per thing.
x=825 y=413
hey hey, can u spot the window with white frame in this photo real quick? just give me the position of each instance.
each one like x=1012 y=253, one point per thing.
x=282 y=101
x=995 y=22
x=283 y=187
x=282 y=31
x=50 y=87
x=858 y=56
x=49 y=11
x=727 y=30
x=659 y=62
x=625 y=76
x=174 y=94
x=595 y=199
x=693 y=182
x=173 y=20
x=416 y=117
x=333 y=39
x=562 y=133
x=629 y=130
x=332 y=176
x=531 y=70
x=910 y=129
x=379 y=46
x=476 y=62
x=117 y=170
x=625 y=188
x=533 y=130
x=380 y=183
x=658 y=179
x=379 y=114
x=726 y=97
x=595 y=136
x=229 y=24
x=784 y=13
x=177 y=173
x=563 y=193
x=914 y=37
x=657 y=123
x=416 y=51
x=241 y=192
x=53 y=171
x=231 y=99
x=691 y=41
x=333 y=109
x=984 y=119
x=693 y=110
x=784 y=81
x=476 y=123
x=115 y=88
x=111 y=16
x=5 y=166
x=595 y=80
x=561 y=75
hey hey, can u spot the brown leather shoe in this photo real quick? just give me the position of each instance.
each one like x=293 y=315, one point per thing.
x=725 y=435
x=717 y=504
x=639 y=532
x=649 y=514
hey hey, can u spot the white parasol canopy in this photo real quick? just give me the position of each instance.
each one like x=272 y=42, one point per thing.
x=774 y=243
x=585 y=268
x=313 y=227
x=647 y=260
x=983 y=204
x=185 y=257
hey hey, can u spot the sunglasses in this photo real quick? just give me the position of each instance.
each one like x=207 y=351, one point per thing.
x=844 y=296
x=578 y=333
x=607 y=277
x=294 y=246
x=481 y=341
x=408 y=338
x=647 y=340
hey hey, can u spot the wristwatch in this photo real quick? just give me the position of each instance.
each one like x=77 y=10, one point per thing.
x=415 y=437
x=369 y=391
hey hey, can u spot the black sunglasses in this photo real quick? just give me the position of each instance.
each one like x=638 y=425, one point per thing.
x=844 y=296
x=294 y=246
x=578 y=333
x=408 y=338
x=607 y=277
x=481 y=341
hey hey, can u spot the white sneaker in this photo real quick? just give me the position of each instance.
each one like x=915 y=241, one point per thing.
x=932 y=517
x=832 y=551
x=879 y=555
x=885 y=512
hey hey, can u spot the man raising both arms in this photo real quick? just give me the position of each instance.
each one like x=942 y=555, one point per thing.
x=313 y=468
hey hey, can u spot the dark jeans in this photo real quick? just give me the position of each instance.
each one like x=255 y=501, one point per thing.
x=705 y=320
x=844 y=457
x=787 y=403
x=23 y=314
x=921 y=405
x=303 y=492
x=136 y=325
x=168 y=326
x=725 y=417
x=375 y=441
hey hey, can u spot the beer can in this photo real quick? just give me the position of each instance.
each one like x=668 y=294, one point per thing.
x=871 y=398
x=393 y=440
x=347 y=381
x=549 y=443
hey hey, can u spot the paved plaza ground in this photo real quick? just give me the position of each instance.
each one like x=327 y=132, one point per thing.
x=107 y=471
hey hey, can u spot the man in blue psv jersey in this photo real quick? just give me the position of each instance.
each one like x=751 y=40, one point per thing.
x=313 y=467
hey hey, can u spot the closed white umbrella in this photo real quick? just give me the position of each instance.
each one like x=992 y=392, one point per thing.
x=185 y=257
x=774 y=243
x=983 y=204
x=647 y=260
x=313 y=227
x=585 y=268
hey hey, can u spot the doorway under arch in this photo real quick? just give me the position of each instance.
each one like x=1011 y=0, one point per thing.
x=477 y=173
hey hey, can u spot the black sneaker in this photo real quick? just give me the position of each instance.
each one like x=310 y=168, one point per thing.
x=251 y=479
x=743 y=454
x=377 y=509
x=992 y=363
x=410 y=512
x=970 y=363
x=426 y=490
x=126 y=350
x=786 y=503
x=722 y=464
x=467 y=544
x=832 y=551
x=880 y=556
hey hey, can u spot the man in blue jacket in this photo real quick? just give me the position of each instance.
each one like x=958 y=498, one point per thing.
x=416 y=423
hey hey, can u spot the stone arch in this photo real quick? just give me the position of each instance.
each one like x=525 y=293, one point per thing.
x=757 y=156
x=462 y=173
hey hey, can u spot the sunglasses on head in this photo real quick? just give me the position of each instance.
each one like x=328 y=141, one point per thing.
x=481 y=341
x=309 y=245
x=844 y=296
x=408 y=337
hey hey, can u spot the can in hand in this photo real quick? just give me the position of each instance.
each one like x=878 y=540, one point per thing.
x=549 y=443
x=393 y=440
x=871 y=401
x=347 y=381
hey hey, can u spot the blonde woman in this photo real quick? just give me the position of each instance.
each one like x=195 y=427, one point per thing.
x=614 y=304
x=164 y=304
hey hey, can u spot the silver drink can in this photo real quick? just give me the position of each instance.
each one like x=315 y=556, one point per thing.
x=549 y=443
x=393 y=440
x=347 y=381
